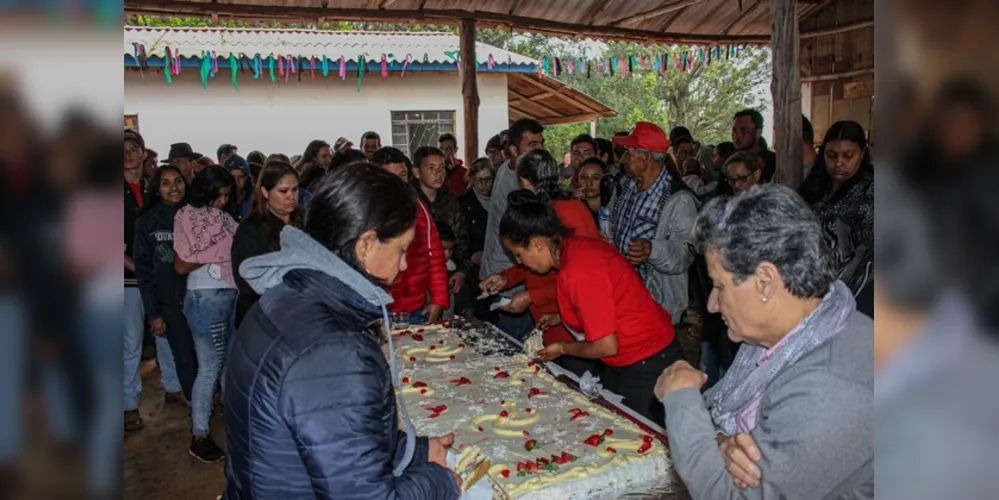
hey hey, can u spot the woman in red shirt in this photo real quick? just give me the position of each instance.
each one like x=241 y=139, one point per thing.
x=539 y=173
x=599 y=295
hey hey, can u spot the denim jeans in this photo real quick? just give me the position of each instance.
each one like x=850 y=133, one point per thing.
x=102 y=331
x=135 y=329
x=13 y=330
x=211 y=315
x=178 y=334
x=516 y=326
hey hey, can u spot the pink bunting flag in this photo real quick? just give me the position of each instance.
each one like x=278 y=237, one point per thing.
x=570 y=67
x=312 y=67
x=384 y=66
x=405 y=64
x=622 y=65
x=641 y=63
x=343 y=68
x=490 y=62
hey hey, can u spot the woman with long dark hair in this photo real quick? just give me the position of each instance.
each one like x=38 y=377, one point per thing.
x=162 y=289
x=840 y=188
x=475 y=206
x=539 y=174
x=310 y=405
x=600 y=298
x=318 y=153
x=202 y=242
x=275 y=206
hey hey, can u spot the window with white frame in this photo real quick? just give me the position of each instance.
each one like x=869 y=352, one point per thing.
x=414 y=129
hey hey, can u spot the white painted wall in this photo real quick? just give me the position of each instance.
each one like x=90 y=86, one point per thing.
x=284 y=117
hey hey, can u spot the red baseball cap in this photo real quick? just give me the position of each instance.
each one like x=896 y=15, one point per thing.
x=647 y=136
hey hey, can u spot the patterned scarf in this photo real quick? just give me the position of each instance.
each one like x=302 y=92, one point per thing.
x=637 y=215
x=746 y=381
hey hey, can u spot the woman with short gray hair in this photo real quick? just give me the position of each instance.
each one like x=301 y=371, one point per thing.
x=792 y=416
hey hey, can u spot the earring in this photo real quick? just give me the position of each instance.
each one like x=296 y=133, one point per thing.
x=764 y=299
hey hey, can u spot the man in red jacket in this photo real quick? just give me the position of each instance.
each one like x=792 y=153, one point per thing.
x=421 y=289
x=457 y=174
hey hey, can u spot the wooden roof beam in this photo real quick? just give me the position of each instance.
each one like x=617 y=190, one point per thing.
x=568 y=29
x=659 y=11
x=815 y=10
x=561 y=95
x=867 y=23
x=748 y=12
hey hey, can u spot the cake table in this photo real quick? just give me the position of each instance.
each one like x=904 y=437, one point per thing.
x=528 y=425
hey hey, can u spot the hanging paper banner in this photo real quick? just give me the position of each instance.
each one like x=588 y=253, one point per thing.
x=623 y=66
x=256 y=67
x=206 y=68
x=166 y=67
x=570 y=66
x=270 y=68
x=490 y=62
x=233 y=69
x=384 y=64
x=405 y=64
x=215 y=64
x=361 y=66
x=280 y=63
x=312 y=68
x=544 y=65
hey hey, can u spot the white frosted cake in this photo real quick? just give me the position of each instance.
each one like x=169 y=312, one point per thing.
x=543 y=439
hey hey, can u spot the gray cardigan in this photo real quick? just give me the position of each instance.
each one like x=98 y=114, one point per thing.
x=815 y=428
x=672 y=252
x=494 y=257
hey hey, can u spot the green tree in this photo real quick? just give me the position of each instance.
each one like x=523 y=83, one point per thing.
x=703 y=99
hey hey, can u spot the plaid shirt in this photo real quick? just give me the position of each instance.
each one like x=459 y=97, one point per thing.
x=637 y=214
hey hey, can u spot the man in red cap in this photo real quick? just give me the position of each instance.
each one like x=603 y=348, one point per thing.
x=653 y=217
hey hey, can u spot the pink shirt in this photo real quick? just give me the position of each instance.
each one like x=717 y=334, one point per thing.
x=746 y=419
x=204 y=236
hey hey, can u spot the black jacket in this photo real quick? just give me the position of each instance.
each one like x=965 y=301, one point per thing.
x=475 y=220
x=447 y=210
x=250 y=240
x=310 y=404
x=132 y=210
x=159 y=284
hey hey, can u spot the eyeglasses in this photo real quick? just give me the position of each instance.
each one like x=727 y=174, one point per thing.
x=738 y=179
x=482 y=181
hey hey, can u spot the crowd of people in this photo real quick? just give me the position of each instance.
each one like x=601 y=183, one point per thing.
x=265 y=280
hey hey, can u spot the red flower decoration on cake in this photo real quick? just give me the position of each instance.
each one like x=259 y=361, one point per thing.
x=418 y=338
x=531 y=445
x=435 y=411
x=419 y=384
x=608 y=432
x=505 y=473
x=502 y=375
x=594 y=440
x=535 y=392
x=577 y=414
x=504 y=414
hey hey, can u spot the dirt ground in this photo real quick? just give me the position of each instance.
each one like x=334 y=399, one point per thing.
x=158 y=467
x=156 y=463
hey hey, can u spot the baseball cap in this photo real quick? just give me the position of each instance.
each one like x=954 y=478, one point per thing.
x=647 y=136
x=342 y=144
x=131 y=135
x=680 y=134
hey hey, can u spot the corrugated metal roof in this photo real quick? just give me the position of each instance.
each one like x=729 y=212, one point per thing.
x=427 y=47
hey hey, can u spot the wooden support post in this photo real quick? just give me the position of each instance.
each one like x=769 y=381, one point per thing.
x=593 y=127
x=786 y=88
x=469 y=90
